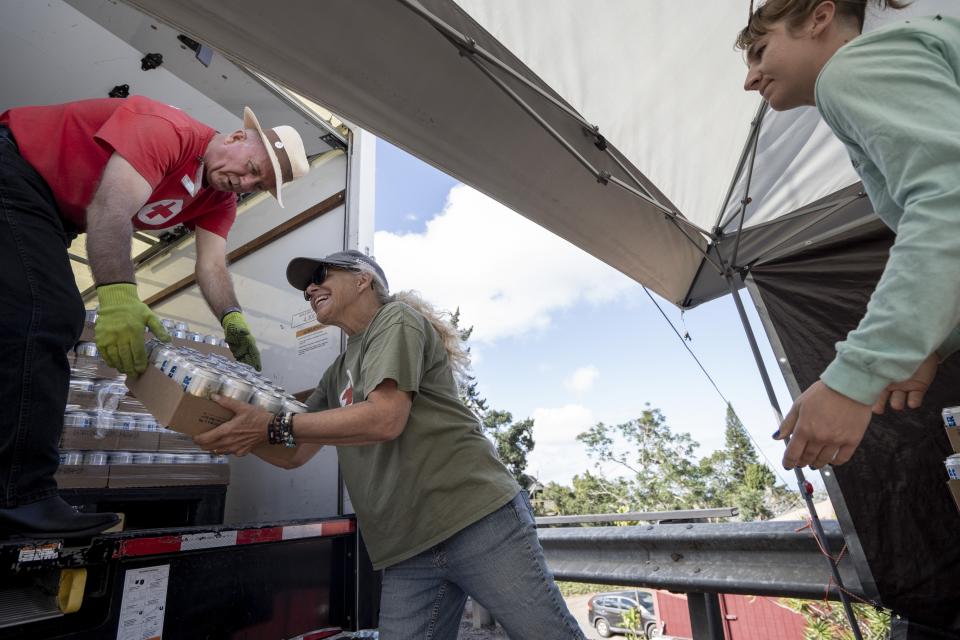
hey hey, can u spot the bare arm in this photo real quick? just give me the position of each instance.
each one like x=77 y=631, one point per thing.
x=211 y=271
x=381 y=417
x=122 y=192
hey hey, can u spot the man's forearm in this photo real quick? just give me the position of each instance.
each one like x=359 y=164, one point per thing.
x=216 y=285
x=108 y=245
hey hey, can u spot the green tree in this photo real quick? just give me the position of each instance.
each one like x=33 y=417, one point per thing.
x=827 y=621
x=514 y=442
x=738 y=448
x=665 y=473
x=589 y=493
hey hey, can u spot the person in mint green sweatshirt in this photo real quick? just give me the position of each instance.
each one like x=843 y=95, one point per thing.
x=892 y=97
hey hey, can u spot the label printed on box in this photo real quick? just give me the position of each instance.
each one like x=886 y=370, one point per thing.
x=144 y=603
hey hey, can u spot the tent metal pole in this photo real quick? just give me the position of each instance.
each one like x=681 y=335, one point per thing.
x=801 y=479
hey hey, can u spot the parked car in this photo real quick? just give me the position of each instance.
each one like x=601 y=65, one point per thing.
x=606 y=611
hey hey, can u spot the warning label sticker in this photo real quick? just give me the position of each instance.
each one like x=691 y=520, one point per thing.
x=144 y=602
x=310 y=334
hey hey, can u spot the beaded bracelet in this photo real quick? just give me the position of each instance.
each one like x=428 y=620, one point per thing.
x=280 y=430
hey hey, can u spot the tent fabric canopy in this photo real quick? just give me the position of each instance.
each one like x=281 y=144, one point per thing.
x=661 y=80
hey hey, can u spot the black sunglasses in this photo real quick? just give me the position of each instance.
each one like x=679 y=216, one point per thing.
x=321 y=273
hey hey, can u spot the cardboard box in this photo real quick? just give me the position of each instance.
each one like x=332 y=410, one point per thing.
x=953 y=435
x=83 y=476
x=173 y=408
x=138 y=440
x=80 y=439
x=184 y=413
x=176 y=442
x=167 y=475
x=954 y=486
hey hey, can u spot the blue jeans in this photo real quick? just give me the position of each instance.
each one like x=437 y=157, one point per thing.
x=498 y=561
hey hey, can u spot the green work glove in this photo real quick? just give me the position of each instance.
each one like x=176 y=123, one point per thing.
x=241 y=342
x=119 y=329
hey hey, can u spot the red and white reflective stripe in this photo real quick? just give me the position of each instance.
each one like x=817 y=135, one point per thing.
x=231 y=538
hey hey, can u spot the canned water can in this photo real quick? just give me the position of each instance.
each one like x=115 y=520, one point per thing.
x=163 y=458
x=95 y=458
x=219 y=459
x=183 y=458
x=203 y=383
x=76 y=419
x=179 y=333
x=124 y=422
x=81 y=384
x=266 y=400
x=213 y=340
x=146 y=422
x=167 y=324
x=175 y=368
x=102 y=419
x=235 y=388
x=160 y=357
x=202 y=458
x=71 y=458
x=294 y=406
x=193 y=336
x=87 y=349
x=91 y=315
x=950 y=416
x=185 y=373
x=143 y=458
x=953 y=466
x=120 y=457
x=181 y=326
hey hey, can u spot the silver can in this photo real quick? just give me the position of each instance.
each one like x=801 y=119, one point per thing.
x=203 y=383
x=101 y=419
x=77 y=419
x=81 y=384
x=181 y=326
x=178 y=367
x=212 y=340
x=185 y=373
x=235 y=388
x=202 y=458
x=294 y=406
x=91 y=315
x=124 y=422
x=95 y=458
x=146 y=422
x=161 y=357
x=167 y=324
x=163 y=458
x=193 y=336
x=144 y=458
x=87 y=349
x=266 y=400
x=219 y=459
x=183 y=458
x=179 y=333
x=71 y=458
x=120 y=457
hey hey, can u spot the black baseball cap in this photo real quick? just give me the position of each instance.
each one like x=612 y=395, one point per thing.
x=300 y=270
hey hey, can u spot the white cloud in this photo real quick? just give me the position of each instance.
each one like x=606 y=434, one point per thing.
x=411 y=217
x=507 y=275
x=557 y=455
x=581 y=380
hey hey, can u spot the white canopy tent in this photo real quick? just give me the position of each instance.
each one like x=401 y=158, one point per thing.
x=619 y=125
x=660 y=79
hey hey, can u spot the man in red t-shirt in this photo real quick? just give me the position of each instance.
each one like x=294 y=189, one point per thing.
x=106 y=167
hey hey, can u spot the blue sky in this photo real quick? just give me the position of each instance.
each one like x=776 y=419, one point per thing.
x=559 y=336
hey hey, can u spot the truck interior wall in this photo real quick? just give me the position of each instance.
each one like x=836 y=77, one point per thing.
x=895 y=487
x=295 y=350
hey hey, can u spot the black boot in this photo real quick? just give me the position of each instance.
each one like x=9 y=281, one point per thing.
x=54 y=517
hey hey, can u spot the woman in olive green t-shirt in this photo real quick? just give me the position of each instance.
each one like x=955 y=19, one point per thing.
x=438 y=511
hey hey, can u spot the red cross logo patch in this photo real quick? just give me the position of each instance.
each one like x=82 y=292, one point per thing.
x=159 y=212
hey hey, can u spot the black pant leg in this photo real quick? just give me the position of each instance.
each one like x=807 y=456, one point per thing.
x=41 y=317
